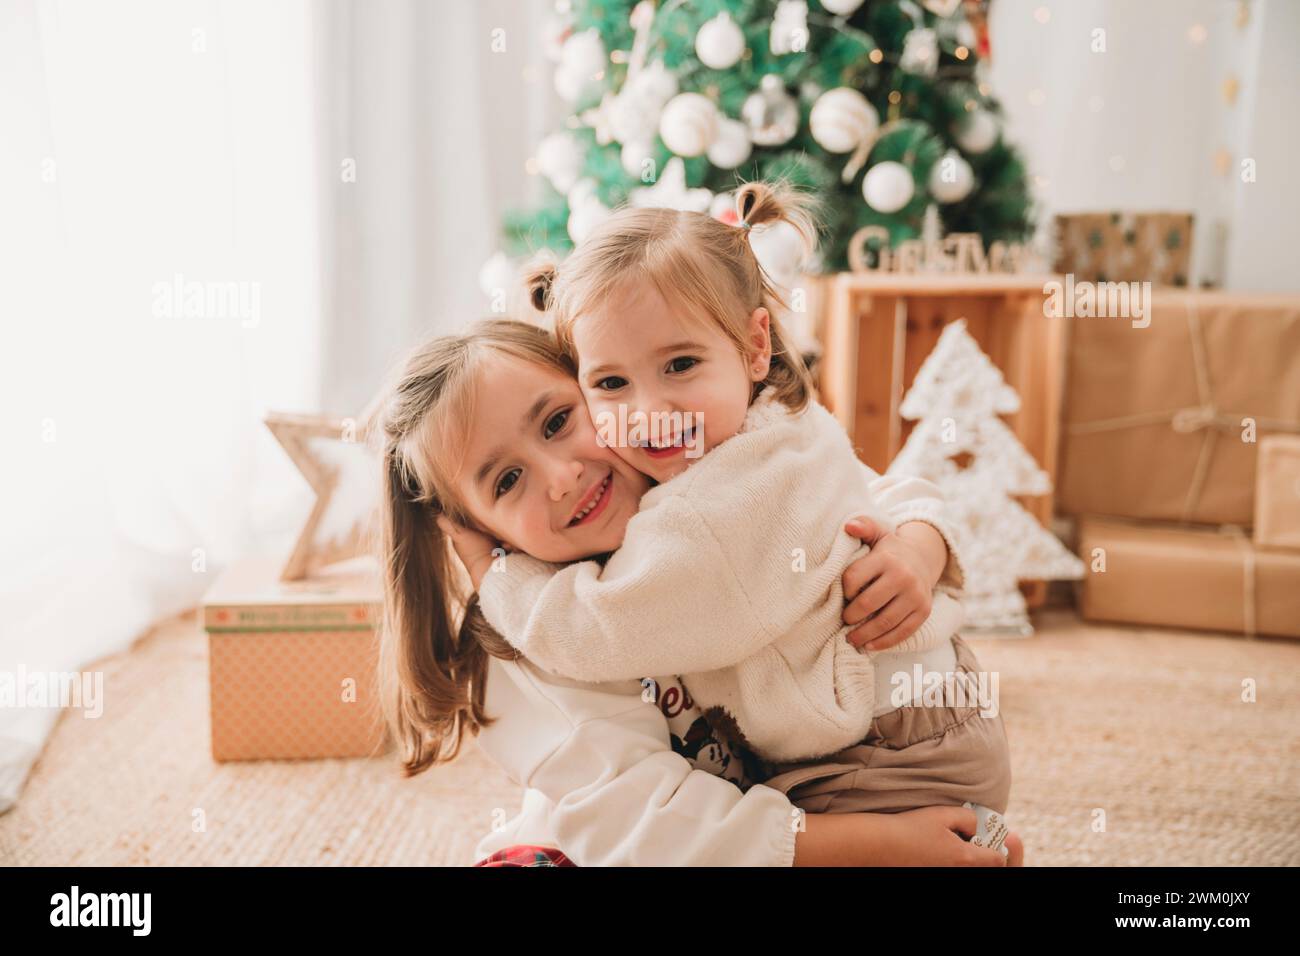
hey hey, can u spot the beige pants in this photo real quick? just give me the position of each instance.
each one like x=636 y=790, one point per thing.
x=916 y=756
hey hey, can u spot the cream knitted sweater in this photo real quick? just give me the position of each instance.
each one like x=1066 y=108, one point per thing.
x=729 y=575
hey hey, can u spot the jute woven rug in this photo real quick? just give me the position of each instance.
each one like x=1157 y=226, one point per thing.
x=1129 y=746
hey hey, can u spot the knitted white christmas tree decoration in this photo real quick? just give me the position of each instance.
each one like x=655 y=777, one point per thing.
x=961 y=445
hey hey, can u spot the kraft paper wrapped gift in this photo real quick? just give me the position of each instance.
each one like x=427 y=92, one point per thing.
x=292 y=667
x=1154 y=417
x=1277 y=493
x=1153 y=247
x=1175 y=576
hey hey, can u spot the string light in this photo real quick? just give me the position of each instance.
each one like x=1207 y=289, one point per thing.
x=1197 y=33
x=1042 y=14
x=875 y=56
x=961 y=53
x=895 y=97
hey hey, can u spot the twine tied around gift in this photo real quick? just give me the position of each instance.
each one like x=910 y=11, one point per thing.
x=1203 y=416
x=1238 y=534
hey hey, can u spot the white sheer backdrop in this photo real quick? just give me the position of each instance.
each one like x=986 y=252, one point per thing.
x=145 y=141
x=1144 y=124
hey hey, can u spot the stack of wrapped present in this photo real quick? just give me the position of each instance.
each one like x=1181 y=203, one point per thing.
x=1181 y=460
x=1125 y=247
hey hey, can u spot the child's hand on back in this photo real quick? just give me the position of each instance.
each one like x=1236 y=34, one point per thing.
x=475 y=549
x=889 y=592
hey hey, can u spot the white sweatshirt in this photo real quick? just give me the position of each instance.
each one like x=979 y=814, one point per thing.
x=729 y=575
x=605 y=786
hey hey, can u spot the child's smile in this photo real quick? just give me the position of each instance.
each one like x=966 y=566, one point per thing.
x=663 y=388
x=533 y=474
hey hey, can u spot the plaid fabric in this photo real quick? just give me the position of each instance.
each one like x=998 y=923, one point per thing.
x=524 y=855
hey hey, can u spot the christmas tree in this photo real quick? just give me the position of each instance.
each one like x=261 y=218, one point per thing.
x=880 y=107
x=961 y=444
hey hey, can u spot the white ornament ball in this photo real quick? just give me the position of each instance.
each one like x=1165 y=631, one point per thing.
x=720 y=43
x=951 y=178
x=584 y=53
x=560 y=159
x=887 y=187
x=689 y=124
x=842 y=119
x=732 y=146
x=653 y=85
x=633 y=120
x=582 y=190
x=581 y=58
x=497 y=275
x=978 y=132
x=841 y=8
x=634 y=155
x=723 y=207
x=585 y=216
x=780 y=250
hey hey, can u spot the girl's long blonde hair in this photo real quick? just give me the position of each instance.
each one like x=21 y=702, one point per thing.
x=431 y=665
x=698 y=264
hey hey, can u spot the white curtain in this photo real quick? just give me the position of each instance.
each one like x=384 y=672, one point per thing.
x=157 y=145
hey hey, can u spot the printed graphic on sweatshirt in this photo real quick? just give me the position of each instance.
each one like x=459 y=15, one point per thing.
x=691 y=735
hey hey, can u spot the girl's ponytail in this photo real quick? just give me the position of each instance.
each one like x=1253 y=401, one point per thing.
x=539 y=281
x=421 y=656
x=759 y=203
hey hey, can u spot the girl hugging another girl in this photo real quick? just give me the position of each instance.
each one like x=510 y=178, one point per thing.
x=683 y=508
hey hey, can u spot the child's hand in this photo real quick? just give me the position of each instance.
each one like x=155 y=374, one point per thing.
x=890 y=591
x=475 y=549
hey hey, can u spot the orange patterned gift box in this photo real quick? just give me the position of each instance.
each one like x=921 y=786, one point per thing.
x=292 y=666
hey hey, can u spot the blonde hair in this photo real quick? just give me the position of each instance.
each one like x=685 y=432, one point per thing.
x=431 y=671
x=694 y=260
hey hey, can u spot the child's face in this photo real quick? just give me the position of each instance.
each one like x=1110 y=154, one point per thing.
x=534 y=476
x=684 y=385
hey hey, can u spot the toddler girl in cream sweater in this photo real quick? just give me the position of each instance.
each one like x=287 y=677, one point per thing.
x=730 y=571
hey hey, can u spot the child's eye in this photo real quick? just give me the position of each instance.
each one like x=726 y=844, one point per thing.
x=683 y=363
x=506 y=482
x=555 y=423
x=611 y=383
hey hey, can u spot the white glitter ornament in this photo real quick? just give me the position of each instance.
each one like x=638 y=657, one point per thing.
x=637 y=158
x=560 y=159
x=951 y=178
x=671 y=191
x=978 y=132
x=582 y=60
x=586 y=211
x=841 y=8
x=888 y=187
x=920 y=53
x=771 y=113
x=789 y=27
x=689 y=124
x=720 y=43
x=732 y=146
x=497 y=275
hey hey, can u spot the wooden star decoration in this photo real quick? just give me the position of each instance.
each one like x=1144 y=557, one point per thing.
x=341 y=463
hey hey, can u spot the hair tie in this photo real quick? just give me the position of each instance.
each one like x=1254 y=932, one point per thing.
x=744 y=225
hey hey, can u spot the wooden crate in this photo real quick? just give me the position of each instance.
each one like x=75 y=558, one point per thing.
x=878 y=328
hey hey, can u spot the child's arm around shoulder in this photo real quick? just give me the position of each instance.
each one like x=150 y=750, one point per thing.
x=909 y=499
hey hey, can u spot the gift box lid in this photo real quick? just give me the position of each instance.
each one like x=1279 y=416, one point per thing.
x=249 y=596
